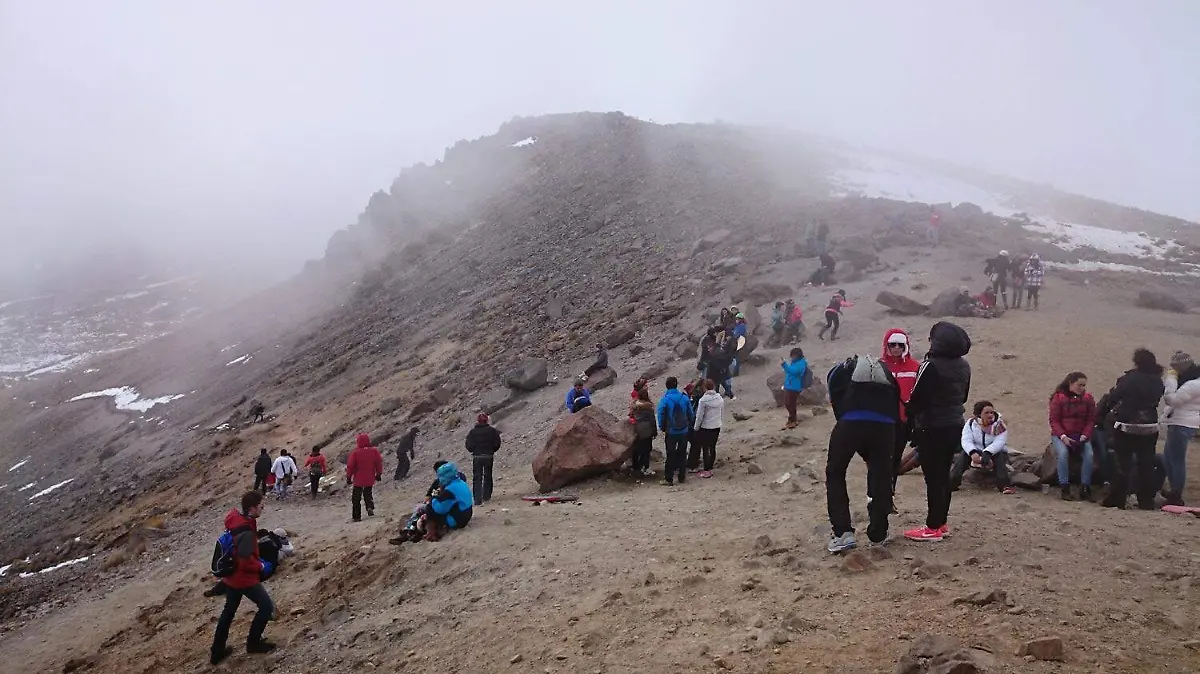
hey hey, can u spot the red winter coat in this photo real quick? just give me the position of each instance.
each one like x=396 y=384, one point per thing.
x=904 y=369
x=318 y=461
x=365 y=464
x=247 y=570
x=1072 y=415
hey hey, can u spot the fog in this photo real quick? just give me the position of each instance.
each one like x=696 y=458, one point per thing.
x=249 y=132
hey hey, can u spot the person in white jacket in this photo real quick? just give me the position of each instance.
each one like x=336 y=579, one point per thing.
x=707 y=427
x=984 y=446
x=1182 y=417
x=285 y=471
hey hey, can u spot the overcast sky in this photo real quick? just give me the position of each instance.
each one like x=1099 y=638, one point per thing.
x=263 y=126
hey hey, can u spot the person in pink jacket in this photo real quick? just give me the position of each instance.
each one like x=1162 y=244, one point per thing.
x=364 y=467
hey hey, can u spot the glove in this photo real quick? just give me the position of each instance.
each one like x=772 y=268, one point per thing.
x=268 y=568
x=378 y=477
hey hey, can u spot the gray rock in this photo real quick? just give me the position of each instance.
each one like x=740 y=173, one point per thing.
x=531 y=375
x=900 y=304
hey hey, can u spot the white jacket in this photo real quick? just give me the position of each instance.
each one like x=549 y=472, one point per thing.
x=1182 y=402
x=709 y=411
x=978 y=438
x=283 y=466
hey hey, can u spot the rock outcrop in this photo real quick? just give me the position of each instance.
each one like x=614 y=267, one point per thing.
x=900 y=304
x=945 y=303
x=583 y=445
x=531 y=375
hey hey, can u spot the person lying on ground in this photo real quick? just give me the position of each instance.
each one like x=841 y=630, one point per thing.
x=1073 y=415
x=578 y=397
x=984 y=447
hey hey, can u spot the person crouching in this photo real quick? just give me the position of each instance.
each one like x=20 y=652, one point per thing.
x=985 y=446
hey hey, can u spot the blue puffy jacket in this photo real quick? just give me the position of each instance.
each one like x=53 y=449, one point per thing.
x=454 y=502
x=739 y=330
x=674 y=399
x=794 y=372
x=581 y=396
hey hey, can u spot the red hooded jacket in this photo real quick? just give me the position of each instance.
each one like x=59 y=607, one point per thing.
x=247 y=570
x=1072 y=415
x=365 y=464
x=904 y=368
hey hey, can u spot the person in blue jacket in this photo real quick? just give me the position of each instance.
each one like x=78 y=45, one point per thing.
x=578 y=397
x=793 y=383
x=452 y=506
x=740 y=329
x=675 y=418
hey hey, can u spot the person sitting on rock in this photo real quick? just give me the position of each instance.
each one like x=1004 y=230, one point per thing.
x=987 y=299
x=1073 y=414
x=578 y=397
x=964 y=304
x=600 y=363
x=795 y=321
x=998 y=269
x=833 y=314
x=728 y=319
x=985 y=447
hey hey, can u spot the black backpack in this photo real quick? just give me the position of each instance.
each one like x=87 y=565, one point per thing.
x=224 y=559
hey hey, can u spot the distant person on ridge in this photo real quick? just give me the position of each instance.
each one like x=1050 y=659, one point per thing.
x=285 y=470
x=262 y=468
x=938 y=409
x=833 y=315
x=578 y=397
x=1035 y=277
x=600 y=363
x=483 y=441
x=257 y=412
x=364 y=467
x=405 y=453
x=998 y=269
x=934 y=232
x=315 y=463
x=675 y=418
x=866 y=405
x=795 y=372
x=822 y=238
x=244 y=582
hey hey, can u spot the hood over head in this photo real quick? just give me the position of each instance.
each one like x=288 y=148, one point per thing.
x=363 y=440
x=948 y=340
x=447 y=473
x=897 y=335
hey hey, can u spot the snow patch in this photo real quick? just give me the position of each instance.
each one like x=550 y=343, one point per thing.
x=20 y=463
x=28 y=486
x=522 y=143
x=1115 y=266
x=230 y=347
x=51 y=488
x=127 y=296
x=48 y=569
x=1071 y=236
x=127 y=398
x=22 y=366
x=244 y=359
x=4 y=569
x=61 y=366
x=886 y=178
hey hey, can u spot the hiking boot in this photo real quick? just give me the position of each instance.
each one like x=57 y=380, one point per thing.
x=1174 y=498
x=1008 y=491
x=1109 y=503
x=217 y=657
x=838 y=544
x=355 y=519
x=924 y=534
x=1066 y=492
x=370 y=513
x=398 y=541
x=260 y=647
x=706 y=474
x=667 y=483
x=1085 y=492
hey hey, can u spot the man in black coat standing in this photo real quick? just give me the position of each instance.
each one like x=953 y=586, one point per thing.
x=405 y=452
x=483 y=441
x=262 y=468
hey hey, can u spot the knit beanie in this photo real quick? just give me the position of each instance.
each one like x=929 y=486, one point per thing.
x=1180 y=361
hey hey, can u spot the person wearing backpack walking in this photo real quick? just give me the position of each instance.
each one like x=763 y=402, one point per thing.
x=675 y=418
x=796 y=373
x=243 y=571
x=364 y=467
x=315 y=463
x=284 y=469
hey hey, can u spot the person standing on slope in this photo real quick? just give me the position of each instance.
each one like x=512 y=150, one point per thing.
x=934 y=232
x=707 y=425
x=262 y=468
x=1182 y=416
x=483 y=441
x=245 y=581
x=997 y=269
x=675 y=418
x=938 y=410
x=285 y=471
x=795 y=372
x=405 y=453
x=364 y=467
x=1035 y=277
x=866 y=405
x=897 y=355
x=1134 y=399
x=833 y=315
x=315 y=463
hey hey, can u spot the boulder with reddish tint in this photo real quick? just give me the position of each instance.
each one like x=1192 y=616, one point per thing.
x=588 y=443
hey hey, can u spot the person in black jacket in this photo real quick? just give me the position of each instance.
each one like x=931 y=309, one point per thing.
x=998 y=269
x=937 y=407
x=483 y=441
x=866 y=404
x=405 y=452
x=1134 y=401
x=262 y=468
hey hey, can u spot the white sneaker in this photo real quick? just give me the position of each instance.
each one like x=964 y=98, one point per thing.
x=842 y=543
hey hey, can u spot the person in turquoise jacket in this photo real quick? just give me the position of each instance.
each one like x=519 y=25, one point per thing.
x=793 y=383
x=453 y=503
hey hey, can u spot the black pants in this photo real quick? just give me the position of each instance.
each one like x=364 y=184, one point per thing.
x=1032 y=300
x=1018 y=292
x=676 y=457
x=963 y=461
x=693 y=450
x=481 y=478
x=641 y=453
x=403 y=465
x=704 y=446
x=1128 y=447
x=314 y=483
x=233 y=599
x=903 y=435
x=593 y=369
x=362 y=494
x=832 y=320
x=260 y=482
x=872 y=441
x=938 y=447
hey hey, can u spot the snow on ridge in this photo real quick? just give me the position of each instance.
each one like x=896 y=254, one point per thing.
x=1113 y=241
x=28 y=486
x=48 y=569
x=20 y=463
x=51 y=488
x=244 y=359
x=21 y=367
x=522 y=143
x=127 y=398
x=889 y=178
x=1087 y=265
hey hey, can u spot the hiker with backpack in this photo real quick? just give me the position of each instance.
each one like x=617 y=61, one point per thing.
x=707 y=426
x=866 y=405
x=364 y=467
x=315 y=463
x=262 y=468
x=578 y=397
x=675 y=418
x=240 y=568
x=284 y=469
x=641 y=415
x=273 y=546
x=797 y=376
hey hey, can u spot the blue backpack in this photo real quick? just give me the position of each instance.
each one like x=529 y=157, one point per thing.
x=678 y=415
x=224 y=561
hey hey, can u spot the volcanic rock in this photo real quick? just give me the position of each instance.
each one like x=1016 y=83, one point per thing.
x=900 y=304
x=1154 y=299
x=530 y=375
x=585 y=444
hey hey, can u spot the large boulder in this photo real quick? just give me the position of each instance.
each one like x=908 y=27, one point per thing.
x=815 y=395
x=760 y=293
x=436 y=398
x=711 y=240
x=602 y=379
x=655 y=369
x=495 y=400
x=945 y=303
x=968 y=209
x=900 y=304
x=588 y=443
x=754 y=319
x=858 y=251
x=686 y=348
x=530 y=375
x=1156 y=299
x=619 y=336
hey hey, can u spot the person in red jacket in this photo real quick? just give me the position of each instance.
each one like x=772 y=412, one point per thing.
x=1072 y=418
x=246 y=581
x=897 y=355
x=315 y=463
x=364 y=467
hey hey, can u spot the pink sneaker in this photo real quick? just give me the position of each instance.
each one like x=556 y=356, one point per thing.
x=923 y=534
x=705 y=473
x=945 y=531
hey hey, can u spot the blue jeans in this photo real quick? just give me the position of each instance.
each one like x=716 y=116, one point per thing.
x=1064 y=469
x=233 y=598
x=1175 y=455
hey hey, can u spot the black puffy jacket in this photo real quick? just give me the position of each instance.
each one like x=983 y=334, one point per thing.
x=1135 y=397
x=943 y=385
x=483 y=440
